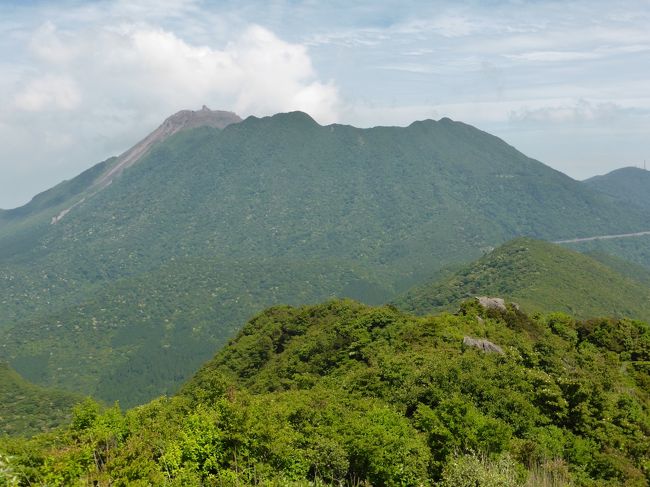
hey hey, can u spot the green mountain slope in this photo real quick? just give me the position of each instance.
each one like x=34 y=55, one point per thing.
x=633 y=271
x=635 y=249
x=22 y=227
x=541 y=277
x=142 y=336
x=629 y=184
x=53 y=198
x=27 y=409
x=346 y=394
x=375 y=209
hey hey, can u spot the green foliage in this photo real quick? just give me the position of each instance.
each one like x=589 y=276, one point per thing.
x=475 y=471
x=28 y=409
x=629 y=184
x=540 y=276
x=635 y=250
x=269 y=210
x=557 y=389
x=141 y=336
x=342 y=393
x=8 y=477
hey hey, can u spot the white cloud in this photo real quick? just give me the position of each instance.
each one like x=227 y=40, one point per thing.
x=583 y=112
x=84 y=93
x=49 y=92
x=144 y=66
x=445 y=24
x=553 y=56
x=155 y=8
x=82 y=80
x=565 y=56
x=52 y=46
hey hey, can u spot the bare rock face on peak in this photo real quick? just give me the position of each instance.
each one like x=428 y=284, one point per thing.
x=183 y=120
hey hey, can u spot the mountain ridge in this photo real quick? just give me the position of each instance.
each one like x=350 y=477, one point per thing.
x=628 y=184
x=542 y=277
x=359 y=212
x=345 y=393
x=182 y=120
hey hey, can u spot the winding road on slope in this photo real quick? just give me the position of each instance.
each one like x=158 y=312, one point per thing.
x=602 y=237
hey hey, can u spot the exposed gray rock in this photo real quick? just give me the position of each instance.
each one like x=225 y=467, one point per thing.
x=492 y=303
x=485 y=345
x=183 y=120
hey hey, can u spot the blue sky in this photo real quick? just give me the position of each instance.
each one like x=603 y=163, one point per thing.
x=567 y=82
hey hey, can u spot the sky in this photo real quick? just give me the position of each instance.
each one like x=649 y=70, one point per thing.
x=565 y=82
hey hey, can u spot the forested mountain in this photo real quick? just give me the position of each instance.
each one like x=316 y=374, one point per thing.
x=55 y=203
x=342 y=393
x=629 y=184
x=542 y=276
x=139 y=337
x=631 y=187
x=257 y=210
x=633 y=271
x=27 y=409
x=635 y=250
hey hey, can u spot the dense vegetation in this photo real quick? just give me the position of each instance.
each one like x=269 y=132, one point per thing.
x=143 y=336
x=343 y=392
x=629 y=184
x=542 y=276
x=635 y=250
x=363 y=213
x=27 y=409
x=636 y=272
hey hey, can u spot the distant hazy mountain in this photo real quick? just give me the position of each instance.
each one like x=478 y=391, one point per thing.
x=542 y=277
x=629 y=184
x=635 y=250
x=104 y=270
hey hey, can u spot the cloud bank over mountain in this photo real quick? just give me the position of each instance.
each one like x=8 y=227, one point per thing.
x=88 y=92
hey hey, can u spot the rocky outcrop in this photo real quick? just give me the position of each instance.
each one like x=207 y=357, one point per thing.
x=492 y=303
x=484 y=345
x=183 y=120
